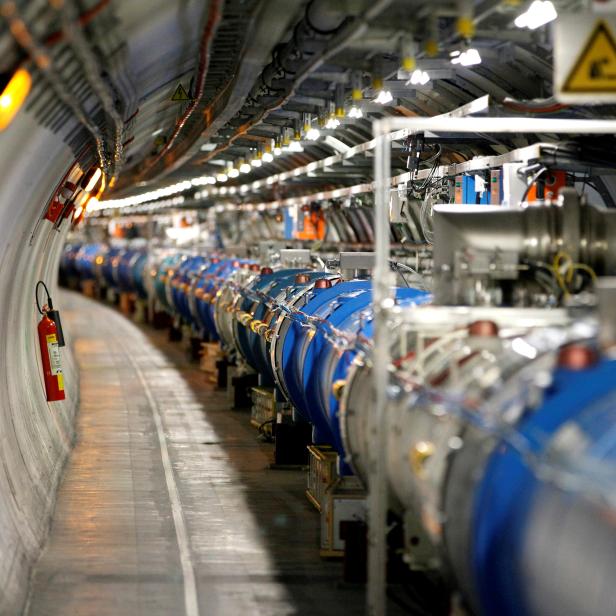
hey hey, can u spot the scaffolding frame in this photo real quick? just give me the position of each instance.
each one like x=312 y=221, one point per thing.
x=385 y=132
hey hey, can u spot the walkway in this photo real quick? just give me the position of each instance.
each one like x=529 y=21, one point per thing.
x=167 y=506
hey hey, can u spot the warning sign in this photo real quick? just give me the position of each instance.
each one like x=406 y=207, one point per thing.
x=180 y=95
x=595 y=70
x=585 y=59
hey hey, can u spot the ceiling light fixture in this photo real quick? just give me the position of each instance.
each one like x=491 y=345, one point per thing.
x=355 y=112
x=339 y=101
x=268 y=155
x=286 y=140
x=357 y=95
x=538 y=14
x=419 y=77
x=469 y=57
x=313 y=133
x=408 y=53
x=383 y=97
x=332 y=122
x=14 y=89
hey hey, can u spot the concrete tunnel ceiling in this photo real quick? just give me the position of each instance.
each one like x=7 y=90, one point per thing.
x=167 y=98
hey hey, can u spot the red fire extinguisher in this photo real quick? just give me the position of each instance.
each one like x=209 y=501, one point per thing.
x=50 y=339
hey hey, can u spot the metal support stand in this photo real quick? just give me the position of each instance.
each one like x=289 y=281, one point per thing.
x=149 y=282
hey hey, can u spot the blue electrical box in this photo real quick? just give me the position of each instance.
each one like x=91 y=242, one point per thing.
x=466 y=190
x=289 y=224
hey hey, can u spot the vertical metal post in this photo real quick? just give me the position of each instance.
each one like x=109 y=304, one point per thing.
x=149 y=262
x=377 y=468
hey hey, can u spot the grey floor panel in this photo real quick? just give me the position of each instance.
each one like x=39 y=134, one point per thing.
x=113 y=549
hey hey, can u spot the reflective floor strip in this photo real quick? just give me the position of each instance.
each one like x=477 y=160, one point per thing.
x=188 y=572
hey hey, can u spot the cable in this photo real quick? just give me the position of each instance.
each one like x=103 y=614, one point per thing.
x=408 y=268
x=434 y=156
x=532 y=181
x=543 y=274
x=406 y=282
x=214 y=17
x=564 y=269
x=83 y=20
x=430 y=177
x=584 y=268
x=261 y=428
x=423 y=220
x=398 y=267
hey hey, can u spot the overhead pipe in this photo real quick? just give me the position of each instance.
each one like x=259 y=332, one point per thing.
x=213 y=20
x=83 y=20
x=341 y=38
x=92 y=70
x=23 y=36
x=230 y=96
x=547 y=105
x=320 y=19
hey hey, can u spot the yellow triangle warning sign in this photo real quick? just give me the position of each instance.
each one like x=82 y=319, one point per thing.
x=595 y=68
x=180 y=94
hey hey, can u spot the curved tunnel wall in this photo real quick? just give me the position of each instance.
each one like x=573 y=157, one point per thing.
x=35 y=435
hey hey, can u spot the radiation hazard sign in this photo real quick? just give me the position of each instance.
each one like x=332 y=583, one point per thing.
x=585 y=59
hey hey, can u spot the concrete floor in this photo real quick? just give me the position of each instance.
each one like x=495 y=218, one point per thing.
x=167 y=505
